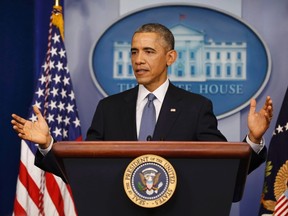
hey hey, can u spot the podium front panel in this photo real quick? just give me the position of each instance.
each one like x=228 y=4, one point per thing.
x=204 y=187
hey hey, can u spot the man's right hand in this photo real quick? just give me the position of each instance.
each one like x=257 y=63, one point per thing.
x=37 y=132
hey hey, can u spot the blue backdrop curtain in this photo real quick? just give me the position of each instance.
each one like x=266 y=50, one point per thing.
x=23 y=42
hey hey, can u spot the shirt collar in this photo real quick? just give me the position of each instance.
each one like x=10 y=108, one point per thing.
x=159 y=92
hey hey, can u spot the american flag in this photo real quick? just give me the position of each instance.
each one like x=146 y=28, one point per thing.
x=39 y=192
x=274 y=200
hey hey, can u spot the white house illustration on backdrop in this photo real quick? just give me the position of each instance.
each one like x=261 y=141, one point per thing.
x=198 y=59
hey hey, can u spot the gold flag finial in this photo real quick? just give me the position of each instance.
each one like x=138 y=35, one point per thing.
x=57 y=18
x=57 y=3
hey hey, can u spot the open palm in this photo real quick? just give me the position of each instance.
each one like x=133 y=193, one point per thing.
x=258 y=122
x=37 y=131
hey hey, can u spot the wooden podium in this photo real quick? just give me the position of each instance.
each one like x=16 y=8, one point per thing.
x=210 y=176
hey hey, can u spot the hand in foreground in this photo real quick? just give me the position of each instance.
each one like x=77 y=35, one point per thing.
x=37 y=131
x=258 y=122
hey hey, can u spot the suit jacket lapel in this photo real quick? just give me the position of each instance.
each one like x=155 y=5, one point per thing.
x=169 y=112
x=129 y=114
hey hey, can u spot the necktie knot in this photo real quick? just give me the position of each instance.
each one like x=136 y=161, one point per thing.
x=151 y=97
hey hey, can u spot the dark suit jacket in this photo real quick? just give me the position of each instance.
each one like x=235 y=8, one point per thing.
x=191 y=120
x=184 y=116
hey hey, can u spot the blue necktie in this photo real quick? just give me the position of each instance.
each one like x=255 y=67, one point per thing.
x=148 y=120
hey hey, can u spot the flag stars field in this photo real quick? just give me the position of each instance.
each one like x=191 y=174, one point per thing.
x=61 y=106
x=40 y=92
x=77 y=122
x=63 y=93
x=66 y=80
x=54 y=92
x=286 y=126
x=57 y=79
x=59 y=66
x=56 y=38
x=38 y=104
x=53 y=51
x=280 y=129
x=62 y=53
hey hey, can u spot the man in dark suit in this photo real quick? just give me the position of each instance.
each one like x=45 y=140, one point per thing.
x=180 y=115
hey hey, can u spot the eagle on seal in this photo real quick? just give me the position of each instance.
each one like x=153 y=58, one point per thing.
x=150 y=180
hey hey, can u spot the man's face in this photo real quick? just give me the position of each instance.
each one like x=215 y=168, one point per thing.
x=150 y=59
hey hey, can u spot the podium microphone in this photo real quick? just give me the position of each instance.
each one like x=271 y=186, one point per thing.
x=149 y=138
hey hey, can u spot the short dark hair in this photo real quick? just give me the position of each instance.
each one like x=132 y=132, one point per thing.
x=160 y=29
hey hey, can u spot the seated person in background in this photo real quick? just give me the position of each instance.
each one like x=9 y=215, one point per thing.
x=179 y=115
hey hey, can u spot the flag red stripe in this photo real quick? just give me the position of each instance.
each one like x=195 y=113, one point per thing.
x=279 y=203
x=29 y=183
x=282 y=212
x=278 y=208
x=18 y=209
x=55 y=193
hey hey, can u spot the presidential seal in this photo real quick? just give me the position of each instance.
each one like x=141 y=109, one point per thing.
x=149 y=181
